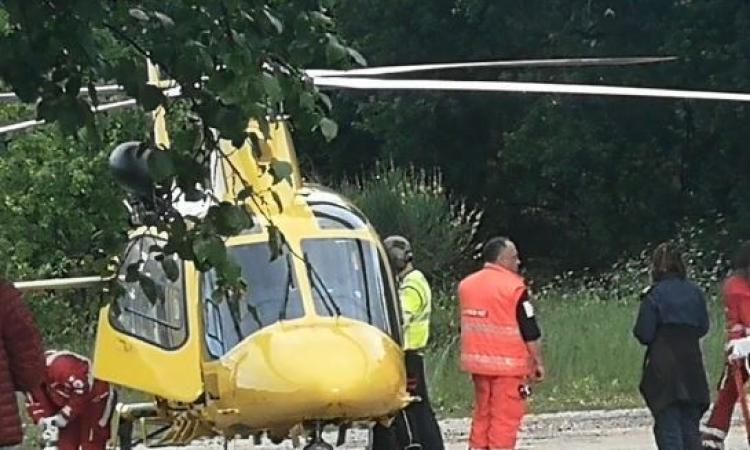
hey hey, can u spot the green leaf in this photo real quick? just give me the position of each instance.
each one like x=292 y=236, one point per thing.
x=73 y=86
x=253 y=311
x=326 y=100
x=275 y=241
x=138 y=14
x=151 y=97
x=91 y=87
x=230 y=275
x=328 y=4
x=171 y=269
x=209 y=249
x=229 y=219
x=307 y=101
x=218 y=296
x=160 y=165
x=164 y=19
x=245 y=193
x=321 y=19
x=273 y=20
x=132 y=272
x=329 y=128
x=114 y=307
x=277 y=199
x=335 y=52
x=272 y=87
x=281 y=170
x=148 y=285
x=357 y=57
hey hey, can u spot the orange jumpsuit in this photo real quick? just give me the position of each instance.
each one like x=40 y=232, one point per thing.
x=80 y=405
x=494 y=352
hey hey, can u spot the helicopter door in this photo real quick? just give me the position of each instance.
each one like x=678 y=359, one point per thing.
x=145 y=338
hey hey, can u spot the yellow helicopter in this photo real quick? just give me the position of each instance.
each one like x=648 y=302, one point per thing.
x=322 y=342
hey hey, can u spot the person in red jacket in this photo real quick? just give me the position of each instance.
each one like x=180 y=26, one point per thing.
x=21 y=360
x=500 y=345
x=71 y=399
x=735 y=293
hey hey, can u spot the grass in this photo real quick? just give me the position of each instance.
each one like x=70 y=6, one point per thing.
x=592 y=359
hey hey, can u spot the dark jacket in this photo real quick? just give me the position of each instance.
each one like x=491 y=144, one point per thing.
x=21 y=360
x=671 y=321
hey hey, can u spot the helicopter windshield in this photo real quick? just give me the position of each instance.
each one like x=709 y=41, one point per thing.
x=272 y=295
x=347 y=279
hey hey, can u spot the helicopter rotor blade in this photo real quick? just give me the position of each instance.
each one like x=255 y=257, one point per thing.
x=522 y=87
x=513 y=64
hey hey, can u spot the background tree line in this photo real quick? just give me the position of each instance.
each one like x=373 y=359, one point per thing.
x=578 y=181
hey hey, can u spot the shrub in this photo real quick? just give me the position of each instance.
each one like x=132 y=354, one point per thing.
x=413 y=203
x=705 y=249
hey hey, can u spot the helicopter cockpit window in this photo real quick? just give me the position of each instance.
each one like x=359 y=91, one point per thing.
x=346 y=278
x=272 y=295
x=160 y=319
x=332 y=216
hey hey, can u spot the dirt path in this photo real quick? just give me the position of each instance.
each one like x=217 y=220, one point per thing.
x=585 y=430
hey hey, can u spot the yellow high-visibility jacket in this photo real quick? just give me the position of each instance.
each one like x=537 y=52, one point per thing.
x=416 y=305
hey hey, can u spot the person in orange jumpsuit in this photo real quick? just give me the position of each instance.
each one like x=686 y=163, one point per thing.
x=72 y=400
x=735 y=293
x=500 y=345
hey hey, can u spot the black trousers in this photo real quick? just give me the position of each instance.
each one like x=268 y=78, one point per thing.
x=415 y=427
x=676 y=427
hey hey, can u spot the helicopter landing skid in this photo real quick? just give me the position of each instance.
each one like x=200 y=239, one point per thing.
x=318 y=446
x=317 y=442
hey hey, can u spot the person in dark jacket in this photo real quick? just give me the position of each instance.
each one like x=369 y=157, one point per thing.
x=671 y=321
x=21 y=360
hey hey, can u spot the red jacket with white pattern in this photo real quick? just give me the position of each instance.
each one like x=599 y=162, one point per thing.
x=69 y=389
x=21 y=360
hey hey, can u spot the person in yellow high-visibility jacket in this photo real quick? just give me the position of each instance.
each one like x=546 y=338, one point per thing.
x=415 y=427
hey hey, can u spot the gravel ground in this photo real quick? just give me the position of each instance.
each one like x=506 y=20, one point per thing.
x=585 y=430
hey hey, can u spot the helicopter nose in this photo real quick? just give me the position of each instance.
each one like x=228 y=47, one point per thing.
x=318 y=368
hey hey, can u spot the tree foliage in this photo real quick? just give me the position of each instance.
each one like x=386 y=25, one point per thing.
x=232 y=59
x=577 y=181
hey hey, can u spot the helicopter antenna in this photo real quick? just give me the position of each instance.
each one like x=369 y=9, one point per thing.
x=513 y=64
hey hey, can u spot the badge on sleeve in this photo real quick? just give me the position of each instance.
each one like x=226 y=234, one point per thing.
x=529 y=309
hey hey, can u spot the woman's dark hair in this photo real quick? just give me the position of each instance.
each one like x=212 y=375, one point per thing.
x=741 y=260
x=665 y=260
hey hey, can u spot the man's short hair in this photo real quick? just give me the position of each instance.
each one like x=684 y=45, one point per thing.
x=493 y=247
